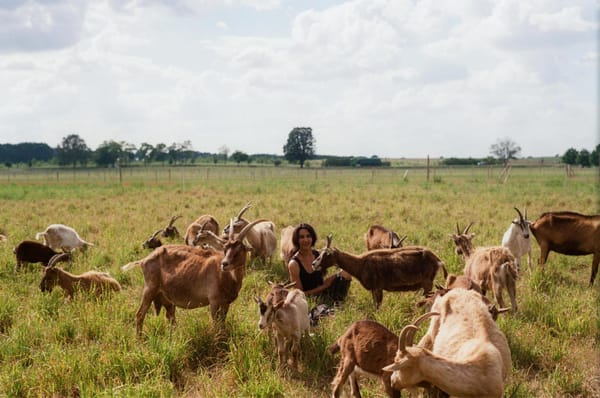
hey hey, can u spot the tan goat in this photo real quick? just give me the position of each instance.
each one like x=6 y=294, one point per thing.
x=380 y=237
x=205 y=222
x=491 y=267
x=463 y=353
x=190 y=277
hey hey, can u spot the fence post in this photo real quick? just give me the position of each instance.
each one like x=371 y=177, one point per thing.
x=428 y=168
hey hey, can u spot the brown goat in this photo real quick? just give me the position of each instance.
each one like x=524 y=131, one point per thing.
x=190 y=277
x=380 y=237
x=90 y=281
x=153 y=241
x=405 y=269
x=205 y=222
x=568 y=233
x=490 y=267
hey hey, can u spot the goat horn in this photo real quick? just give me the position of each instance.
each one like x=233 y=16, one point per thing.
x=231 y=229
x=520 y=215
x=467 y=228
x=457 y=229
x=525 y=211
x=402 y=239
x=173 y=220
x=217 y=237
x=155 y=234
x=244 y=231
x=403 y=335
x=56 y=258
x=420 y=319
x=329 y=239
x=243 y=210
x=287 y=286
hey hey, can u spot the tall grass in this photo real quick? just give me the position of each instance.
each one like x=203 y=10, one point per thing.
x=87 y=346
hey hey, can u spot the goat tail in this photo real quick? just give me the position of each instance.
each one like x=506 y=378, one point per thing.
x=131 y=265
x=334 y=348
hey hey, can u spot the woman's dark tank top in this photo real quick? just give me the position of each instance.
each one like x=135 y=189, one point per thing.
x=310 y=280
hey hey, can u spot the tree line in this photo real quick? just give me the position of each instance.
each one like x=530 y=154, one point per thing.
x=300 y=147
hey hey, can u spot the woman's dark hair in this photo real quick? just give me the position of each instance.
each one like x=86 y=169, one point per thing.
x=296 y=234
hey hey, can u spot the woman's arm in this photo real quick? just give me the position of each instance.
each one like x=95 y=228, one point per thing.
x=294 y=270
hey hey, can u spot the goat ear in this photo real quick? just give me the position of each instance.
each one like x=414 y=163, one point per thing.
x=393 y=367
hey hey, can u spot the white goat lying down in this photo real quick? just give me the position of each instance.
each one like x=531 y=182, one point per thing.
x=288 y=317
x=464 y=353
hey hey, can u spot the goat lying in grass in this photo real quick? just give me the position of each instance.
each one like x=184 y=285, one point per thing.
x=90 y=281
x=464 y=353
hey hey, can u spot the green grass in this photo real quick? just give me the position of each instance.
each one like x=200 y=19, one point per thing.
x=50 y=346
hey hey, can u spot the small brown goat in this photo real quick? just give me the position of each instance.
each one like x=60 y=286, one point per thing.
x=569 y=233
x=90 y=281
x=29 y=251
x=490 y=267
x=405 y=269
x=190 y=277
x=365 y=347
x=380 y=237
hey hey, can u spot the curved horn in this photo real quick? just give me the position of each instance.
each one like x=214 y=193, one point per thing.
x=217 y=237
x=457 y=229
x=173 y=220
x=525 y=211
x=244 y=231
x=329 y=239
x=231 y=229
x=520 y=215
x=155 y=234
x=467 y=228
x=406 y=332
x=288 y=285
x=57 y=258
x=243 y=210
x=427 y=315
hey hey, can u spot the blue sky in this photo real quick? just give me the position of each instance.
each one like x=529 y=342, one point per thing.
x=393 y=78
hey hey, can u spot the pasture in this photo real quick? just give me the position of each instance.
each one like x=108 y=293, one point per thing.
x=88 y=347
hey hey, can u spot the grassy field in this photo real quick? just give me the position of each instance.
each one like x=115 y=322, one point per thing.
x=87 y=346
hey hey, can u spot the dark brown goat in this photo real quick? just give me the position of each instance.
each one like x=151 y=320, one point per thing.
x=29 y=251
x=153 y=241
x=405 y=269
x=170 y=231
x=568 y=233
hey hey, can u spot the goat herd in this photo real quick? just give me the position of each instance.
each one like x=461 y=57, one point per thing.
x=463 y=353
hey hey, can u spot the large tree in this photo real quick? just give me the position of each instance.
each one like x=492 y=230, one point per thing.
x=583 y=158
x=505 y=149
x=570 y=156
x=594 y=156
x=108 y=153
x=73 y=149
x=300 y=145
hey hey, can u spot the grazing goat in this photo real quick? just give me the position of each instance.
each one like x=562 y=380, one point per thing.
x=59 y=236
x=205 y=222
x=461 y=282
x=170 y=231
x=379 y=237
x=366 y=347
x=191 y=277
x=490 y=267
x=29 y=251
x=262 y=238
x=403 y=269
x=517 y=239
x=286 y=312
x=153 y=241
x=90 y=281
x=568 y=233
x=464 y=353
x=287 y=248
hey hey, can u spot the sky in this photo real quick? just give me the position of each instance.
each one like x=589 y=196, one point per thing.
x=391 y=78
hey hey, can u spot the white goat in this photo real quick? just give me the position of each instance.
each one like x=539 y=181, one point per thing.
x=491 y=267
x=59 y=236
x=289 y=320
x=464 y=353
x=517 y=239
